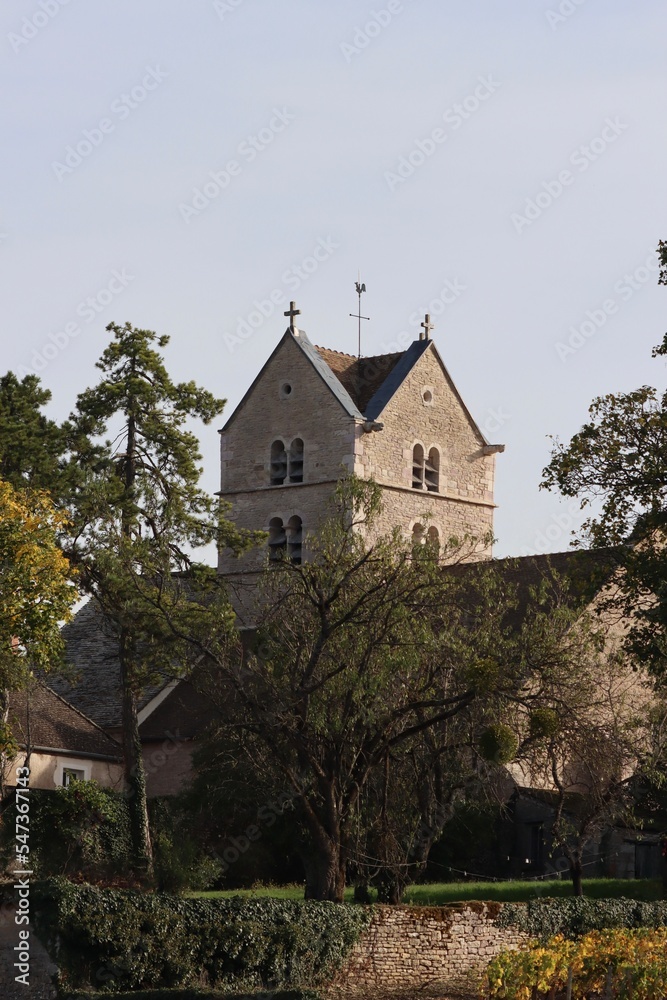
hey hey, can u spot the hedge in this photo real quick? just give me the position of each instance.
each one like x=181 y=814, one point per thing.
x=575 y=916
x=114 y=940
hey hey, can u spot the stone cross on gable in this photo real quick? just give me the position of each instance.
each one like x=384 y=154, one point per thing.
x=292 y=312
x=427 y=326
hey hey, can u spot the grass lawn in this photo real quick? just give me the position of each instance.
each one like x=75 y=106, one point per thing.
x=440 y=893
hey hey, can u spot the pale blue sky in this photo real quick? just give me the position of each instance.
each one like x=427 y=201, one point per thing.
x=357 y=87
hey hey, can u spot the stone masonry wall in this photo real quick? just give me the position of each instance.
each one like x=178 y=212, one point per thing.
x=464 y=503
x=310 y=412
x=416 y=947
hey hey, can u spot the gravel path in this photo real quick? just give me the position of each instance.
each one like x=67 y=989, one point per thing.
x=41 y=967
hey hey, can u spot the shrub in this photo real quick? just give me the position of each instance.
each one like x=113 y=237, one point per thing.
x=498 y=744
x=83 y=829
x=627 y=963
x=116 y=940
x=179 y=860
x=574 y=916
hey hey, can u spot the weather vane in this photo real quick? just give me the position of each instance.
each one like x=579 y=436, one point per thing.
x=360 y=288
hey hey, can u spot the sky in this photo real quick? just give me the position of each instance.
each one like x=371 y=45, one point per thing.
x=191 y=167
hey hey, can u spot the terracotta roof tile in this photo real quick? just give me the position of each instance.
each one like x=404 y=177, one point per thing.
x=361 y=377
x=51 y=722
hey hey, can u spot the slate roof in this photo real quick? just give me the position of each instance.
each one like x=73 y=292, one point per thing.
x=93 y=682
x=56 y=725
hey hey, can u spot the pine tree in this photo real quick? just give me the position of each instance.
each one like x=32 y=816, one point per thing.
x=140 y=511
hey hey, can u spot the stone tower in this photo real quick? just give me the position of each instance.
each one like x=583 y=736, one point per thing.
x=313 y=414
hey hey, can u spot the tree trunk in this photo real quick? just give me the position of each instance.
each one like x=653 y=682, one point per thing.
x=576 y=873
x=326 y=867
x=135 y=777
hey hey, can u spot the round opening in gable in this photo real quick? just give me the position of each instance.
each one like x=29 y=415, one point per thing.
x=286 y=390
x=427 y=396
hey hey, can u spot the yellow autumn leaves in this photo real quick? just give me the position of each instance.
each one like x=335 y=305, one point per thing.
x=609 y=963
x=36 y=590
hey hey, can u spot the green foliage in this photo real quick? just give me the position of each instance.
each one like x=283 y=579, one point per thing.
x=32 y=448
x=543 y=723
x=498 y=744
x=80 y=830
x=114 y=940
x=577 y=915
x=617 y=465
x=179 y=861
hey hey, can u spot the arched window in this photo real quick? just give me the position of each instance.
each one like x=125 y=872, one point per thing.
x=432 y=471
x=418 y=467
x=418 y=536
x=294 y=538
x=278 y=463
x=296 y=461
x=433 y=539
x=277 y=539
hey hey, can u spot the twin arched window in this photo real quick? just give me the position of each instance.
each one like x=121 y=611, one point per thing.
x=423 y=536
x=285 y=541
x=425 y=470
x=286 y=466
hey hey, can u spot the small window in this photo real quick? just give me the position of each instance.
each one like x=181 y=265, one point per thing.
x=296 y=461
x=418 y=467
x=427 y=396
x=71 y=774
x=278 y=472
x=433 y=540
x=277 y=539
x=286 y=390
x=432 y=471
x=294 y=539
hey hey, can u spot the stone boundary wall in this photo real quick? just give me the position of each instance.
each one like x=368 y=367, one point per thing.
x=417 y=947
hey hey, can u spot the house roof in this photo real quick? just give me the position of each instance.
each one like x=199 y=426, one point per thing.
x=41 y=717
x=584 y=571
x=183 y=715
x=92 y=684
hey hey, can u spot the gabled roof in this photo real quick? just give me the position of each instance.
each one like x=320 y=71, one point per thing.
x=183 y=715
x=319 y=364
x=91 y=652
x=363 y=386
x=41 y=717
